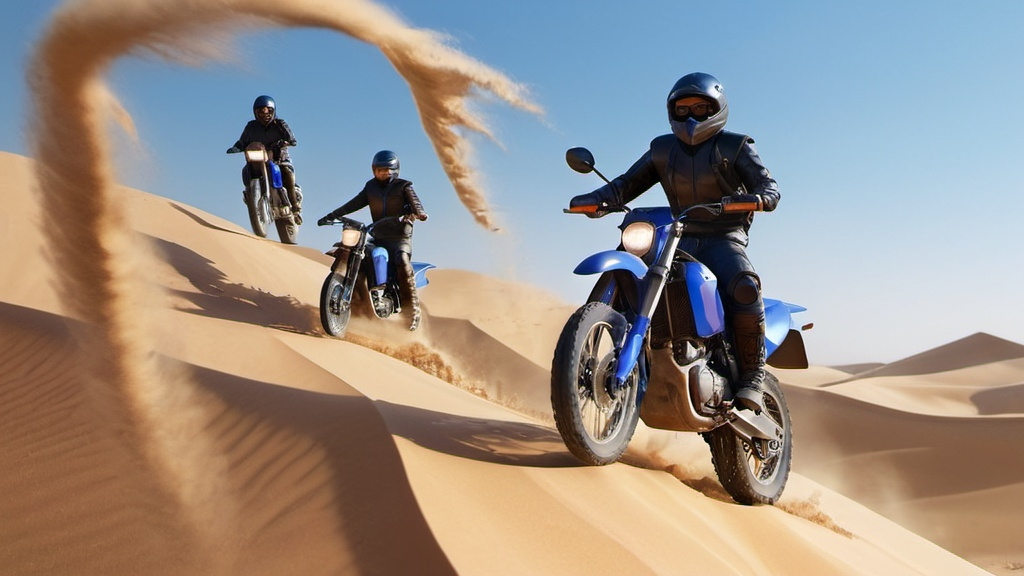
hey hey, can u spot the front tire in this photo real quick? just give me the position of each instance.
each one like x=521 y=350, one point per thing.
x=595 y=424
x=755 y=474
x=335 y=311
x=259 y=207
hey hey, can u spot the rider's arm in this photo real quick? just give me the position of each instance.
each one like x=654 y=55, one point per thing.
x=289 y=137
x=756 y=178
x=413 y=202
x=358 y=202
x=623 y=189
x=246 y=138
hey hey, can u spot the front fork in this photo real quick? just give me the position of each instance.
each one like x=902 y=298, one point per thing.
x=653 y=286
x=347 y=263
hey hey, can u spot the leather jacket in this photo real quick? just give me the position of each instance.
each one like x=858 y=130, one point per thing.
x=276 y=136
x=394 y=198
x=697 y=174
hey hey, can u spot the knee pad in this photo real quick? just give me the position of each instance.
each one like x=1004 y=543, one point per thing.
x=745 y=289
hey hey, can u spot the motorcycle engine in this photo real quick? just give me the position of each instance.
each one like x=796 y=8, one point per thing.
x=708 y=387
x=383 y=305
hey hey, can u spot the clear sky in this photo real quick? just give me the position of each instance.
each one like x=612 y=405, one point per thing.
x=891 y=127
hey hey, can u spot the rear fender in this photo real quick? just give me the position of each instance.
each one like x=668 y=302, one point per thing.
x=419 y=270
x=784 y=344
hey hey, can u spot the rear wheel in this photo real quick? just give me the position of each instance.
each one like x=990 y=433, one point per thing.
x=755 y=473
x=335 y=311
x=259 y=207
x=595 y=421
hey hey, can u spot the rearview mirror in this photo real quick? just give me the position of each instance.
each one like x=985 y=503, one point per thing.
x=580 y=160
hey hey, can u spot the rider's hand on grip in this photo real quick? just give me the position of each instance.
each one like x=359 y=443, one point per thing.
x=742 y=203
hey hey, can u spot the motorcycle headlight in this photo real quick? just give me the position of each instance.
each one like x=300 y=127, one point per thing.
x=255 y=155
x=638 y=237
x=350 y=237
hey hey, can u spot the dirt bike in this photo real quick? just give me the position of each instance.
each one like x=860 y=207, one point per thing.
x=266 y=197
x=359 y=265
x=652 y=344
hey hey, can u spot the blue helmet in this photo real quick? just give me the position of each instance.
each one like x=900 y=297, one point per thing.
x=264 y=101
x=386 y=159
x=693 y=130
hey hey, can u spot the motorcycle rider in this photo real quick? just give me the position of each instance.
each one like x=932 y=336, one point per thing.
x=274 y=133
x=699 y=162
x=388 y=195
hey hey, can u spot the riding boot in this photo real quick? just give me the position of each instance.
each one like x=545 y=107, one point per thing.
x=748 y=336
x=407 y=288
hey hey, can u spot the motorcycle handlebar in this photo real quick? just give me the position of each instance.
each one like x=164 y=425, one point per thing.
x=358 y=224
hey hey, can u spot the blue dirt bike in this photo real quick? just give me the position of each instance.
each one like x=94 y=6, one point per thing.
x=652 y=344
x=351 y=277
x=266 y=197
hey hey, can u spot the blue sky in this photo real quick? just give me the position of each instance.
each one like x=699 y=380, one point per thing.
x=891 y=127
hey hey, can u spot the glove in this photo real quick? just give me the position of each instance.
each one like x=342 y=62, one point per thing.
x=234 y=150
x=324 y=221
x=743 y=203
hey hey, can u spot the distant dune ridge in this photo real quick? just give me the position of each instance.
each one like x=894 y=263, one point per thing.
x=321 y=456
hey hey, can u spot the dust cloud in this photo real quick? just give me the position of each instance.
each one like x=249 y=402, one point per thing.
x=100 y=262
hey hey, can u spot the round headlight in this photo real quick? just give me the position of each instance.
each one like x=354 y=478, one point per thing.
x=638 y=237
x=350 y=237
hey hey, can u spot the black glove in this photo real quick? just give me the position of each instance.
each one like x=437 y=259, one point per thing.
x=324 y=221
x=234 y=150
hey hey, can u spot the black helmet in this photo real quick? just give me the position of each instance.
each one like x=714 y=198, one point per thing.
x=264 y=101
x=386 y=159
x=692 y=130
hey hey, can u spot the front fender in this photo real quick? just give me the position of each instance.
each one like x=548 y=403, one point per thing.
x=611 y=260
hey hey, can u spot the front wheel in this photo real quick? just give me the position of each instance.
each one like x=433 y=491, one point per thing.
x=595 y=421
x=755 y=473
x=259 y=207
x=335 y=310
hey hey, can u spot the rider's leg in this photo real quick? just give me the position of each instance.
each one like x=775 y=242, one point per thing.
x=747 y=325
x=406 y=279
x=741 y=297
x=288 y=179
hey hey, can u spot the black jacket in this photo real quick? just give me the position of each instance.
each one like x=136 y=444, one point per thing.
x=697 y=174
x=394 y=198
x=276 y=136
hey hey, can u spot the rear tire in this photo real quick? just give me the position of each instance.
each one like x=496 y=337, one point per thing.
x=755 y=474
x=259 y=208
x=335 y=312
x=595 y=425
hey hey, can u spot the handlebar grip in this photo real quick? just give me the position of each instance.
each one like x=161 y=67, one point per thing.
x=742 y=207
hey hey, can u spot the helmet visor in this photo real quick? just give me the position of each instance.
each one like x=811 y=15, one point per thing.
x=693 y=107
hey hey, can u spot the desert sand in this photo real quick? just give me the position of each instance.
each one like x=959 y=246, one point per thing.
x=258 y=445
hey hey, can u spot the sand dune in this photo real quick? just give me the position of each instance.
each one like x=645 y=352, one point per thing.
x=264 y=447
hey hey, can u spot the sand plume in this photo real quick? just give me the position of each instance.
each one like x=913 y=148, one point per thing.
x=100 y=260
